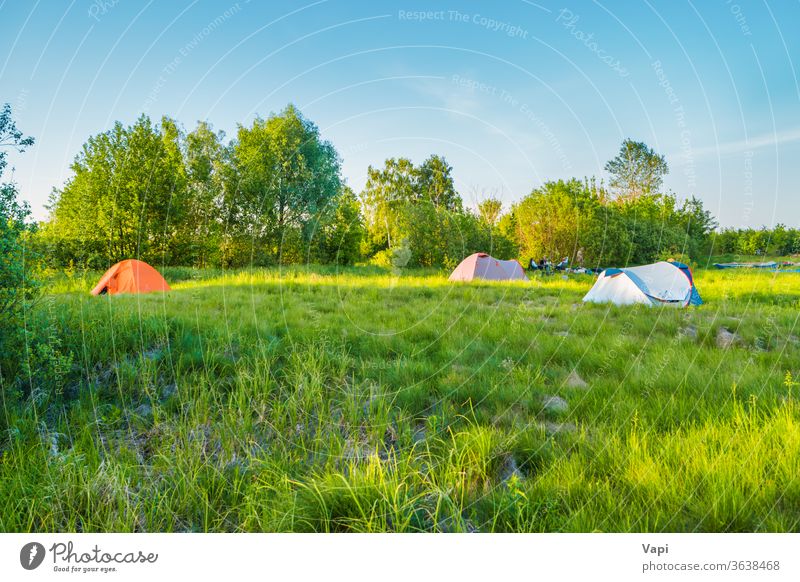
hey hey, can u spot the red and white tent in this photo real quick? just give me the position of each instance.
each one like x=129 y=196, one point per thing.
x=483 y=266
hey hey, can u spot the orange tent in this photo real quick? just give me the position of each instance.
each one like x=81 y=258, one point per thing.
x=130 y=276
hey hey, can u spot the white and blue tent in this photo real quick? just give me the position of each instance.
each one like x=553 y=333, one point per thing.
x=659 y=284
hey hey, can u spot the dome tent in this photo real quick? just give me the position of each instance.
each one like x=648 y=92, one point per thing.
x=663 y=283
x=483 y=266
x=130 y=276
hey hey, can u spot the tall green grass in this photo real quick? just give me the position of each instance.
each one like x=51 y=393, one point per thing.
x=321 y=399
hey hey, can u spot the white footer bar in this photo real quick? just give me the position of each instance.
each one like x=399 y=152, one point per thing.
x=387 y=557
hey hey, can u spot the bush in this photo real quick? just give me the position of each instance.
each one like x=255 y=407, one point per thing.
x=17 y=287
x=578 y=220
x=437 y=237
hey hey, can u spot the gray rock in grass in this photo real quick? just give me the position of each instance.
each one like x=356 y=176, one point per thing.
x=575 y=381
x=726 y=338
x=555 y=404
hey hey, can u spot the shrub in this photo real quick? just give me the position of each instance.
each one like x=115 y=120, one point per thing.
x=17 y=288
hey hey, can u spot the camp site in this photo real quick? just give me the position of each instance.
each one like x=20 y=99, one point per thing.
x=349 y=315
x=451 y=389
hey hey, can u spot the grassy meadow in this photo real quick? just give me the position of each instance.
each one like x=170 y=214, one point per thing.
x=324 y=399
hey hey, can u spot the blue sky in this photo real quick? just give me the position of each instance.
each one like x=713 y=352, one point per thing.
x=512 y=93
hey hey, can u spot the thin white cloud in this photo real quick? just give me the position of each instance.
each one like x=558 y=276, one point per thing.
x=745 y=145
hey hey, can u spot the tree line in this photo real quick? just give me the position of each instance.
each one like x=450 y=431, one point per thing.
x=778 y=241
x=152 y=191
x=582 y=221
x=274 y=194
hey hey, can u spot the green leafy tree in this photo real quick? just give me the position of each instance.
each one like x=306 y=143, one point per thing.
x=430 y=233
x=385 y=192
x=166 y=209
x=650 y=230
x=434 y=182
x=341 y=231
x=437 y=237
x=636 y=170
x=489 y=210
x=206 y=159
x=418 y=210
x=126 y=197
x=548 y=221
x=567 y=219
x=496 y=233
x=286 y=175
x=698 y=225
x=389 y=191
x=726 y=241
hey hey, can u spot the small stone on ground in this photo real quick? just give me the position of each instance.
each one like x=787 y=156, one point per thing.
x=575 y=381
x=555 y=404
x=726 y=338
